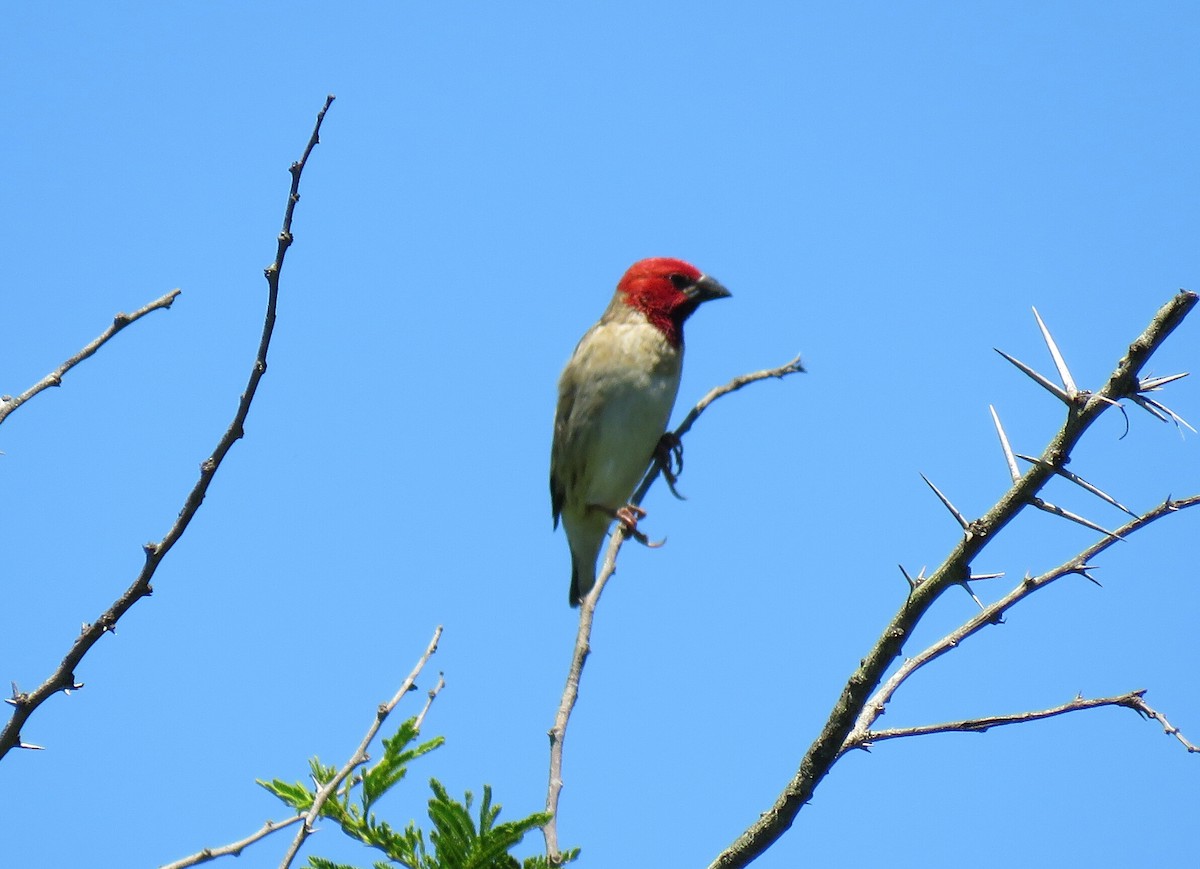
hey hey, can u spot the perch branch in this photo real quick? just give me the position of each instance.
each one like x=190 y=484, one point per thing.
x=587 y=606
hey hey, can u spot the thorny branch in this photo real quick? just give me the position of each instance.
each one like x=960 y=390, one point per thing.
x=9 y=403
x=993 y=613
x=587 y=606
x=1133 y=700
x=1083 y=408
x=980 y=725
x=63 y=678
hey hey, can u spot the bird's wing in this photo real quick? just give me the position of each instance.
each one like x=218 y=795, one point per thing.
x=558 y=486
x=570 y=445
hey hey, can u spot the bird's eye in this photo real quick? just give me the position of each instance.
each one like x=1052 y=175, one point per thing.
x=681 y=282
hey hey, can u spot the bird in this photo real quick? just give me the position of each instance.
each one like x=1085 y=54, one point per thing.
x=615 y=397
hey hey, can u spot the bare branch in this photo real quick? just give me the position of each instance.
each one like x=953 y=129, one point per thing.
x=63 y=678
x=360 y=754
x=433 y=693
x=233 y=848
x=1132 y=700
x=10 y=403
x=857 y=693
x=587 y=606
x=1170 y=730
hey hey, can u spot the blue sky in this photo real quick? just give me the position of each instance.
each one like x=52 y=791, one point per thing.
x=885 y=188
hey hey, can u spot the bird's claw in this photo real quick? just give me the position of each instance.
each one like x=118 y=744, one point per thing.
x=669 y=457
x=628 y=516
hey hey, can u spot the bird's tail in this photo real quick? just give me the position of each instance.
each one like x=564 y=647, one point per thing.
x=583 y=577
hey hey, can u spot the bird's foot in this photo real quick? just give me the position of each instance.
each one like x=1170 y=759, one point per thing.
x=628 y=516
x=669 y=457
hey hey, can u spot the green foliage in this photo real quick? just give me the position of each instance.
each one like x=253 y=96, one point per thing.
x=457 y=839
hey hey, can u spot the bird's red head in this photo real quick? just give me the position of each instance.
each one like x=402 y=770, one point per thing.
x=667 y=291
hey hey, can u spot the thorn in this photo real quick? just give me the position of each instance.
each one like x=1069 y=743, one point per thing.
x=974 y=597
x=1080 y=481
x=946 y=503
x=1154 y=384
x=1054 y=390
x=1063 y=372
x=912 y=586
x=1146 y=403
x=1008 y=453
x=1083 y=569
x=975 y=576
x=1067 y=514
x=1119 y=407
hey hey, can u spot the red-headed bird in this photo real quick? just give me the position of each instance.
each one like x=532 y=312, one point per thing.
x=614 y=401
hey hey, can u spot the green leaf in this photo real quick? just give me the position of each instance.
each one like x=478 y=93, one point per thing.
x=322 y=863
x=295 y=795
x=459 y=839
x=393 y=766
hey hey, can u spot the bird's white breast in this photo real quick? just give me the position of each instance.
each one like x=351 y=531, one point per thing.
x=632 y=378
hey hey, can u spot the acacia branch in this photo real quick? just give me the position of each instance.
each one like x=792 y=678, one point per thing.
x=587 y=606
x=1083 y=409
x=360 y=755
x=1133 y=700
x=63 y=678
x=993 y=614
x=9 y=403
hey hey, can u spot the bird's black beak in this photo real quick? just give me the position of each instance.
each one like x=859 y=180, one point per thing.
x=706 y=289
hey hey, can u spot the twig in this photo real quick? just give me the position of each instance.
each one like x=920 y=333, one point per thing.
x=1143 y=707
x=433 y=693
x=233 y=848
x=360 y=754
x=1084 y=409
x=1132 y=700
x=63 y=678
x=587 y=606
x=10 y=403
